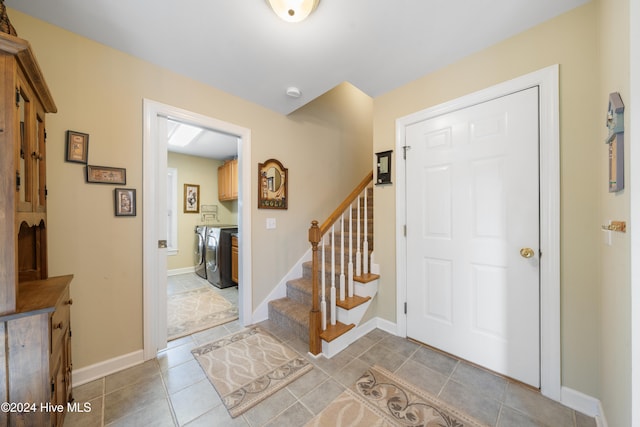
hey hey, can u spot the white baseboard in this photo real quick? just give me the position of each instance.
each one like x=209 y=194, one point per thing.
x=387 y=326
x=601 y=421
x=107 y=367
x=280 y=291
x=183 y=270
x=579 y=401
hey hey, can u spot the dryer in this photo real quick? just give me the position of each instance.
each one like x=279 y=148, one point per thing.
x=218 y=255
x=199 y=250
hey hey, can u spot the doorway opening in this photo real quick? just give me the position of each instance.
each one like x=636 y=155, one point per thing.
x=202 y=224
x=157 y=120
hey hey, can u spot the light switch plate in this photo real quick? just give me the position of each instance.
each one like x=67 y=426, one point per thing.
x=271 y=223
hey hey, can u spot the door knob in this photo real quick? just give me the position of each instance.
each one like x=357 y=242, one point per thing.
x=526 y=253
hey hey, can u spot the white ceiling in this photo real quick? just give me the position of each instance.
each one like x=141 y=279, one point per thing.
x=243 y=48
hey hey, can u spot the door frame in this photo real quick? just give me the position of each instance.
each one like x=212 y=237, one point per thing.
x=547 y=79
x=154 y=301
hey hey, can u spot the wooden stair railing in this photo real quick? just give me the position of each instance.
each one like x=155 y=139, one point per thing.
x=317 y=316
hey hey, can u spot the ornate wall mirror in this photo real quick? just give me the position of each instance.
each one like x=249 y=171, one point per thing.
x=272 y=185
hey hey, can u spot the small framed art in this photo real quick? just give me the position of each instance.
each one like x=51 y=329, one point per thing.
x=125 y=201
x=106 y=175
x=77 y=147
x=191 y=198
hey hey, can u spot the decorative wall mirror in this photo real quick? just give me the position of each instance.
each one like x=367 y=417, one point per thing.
x=272 y=185
x=384 y=168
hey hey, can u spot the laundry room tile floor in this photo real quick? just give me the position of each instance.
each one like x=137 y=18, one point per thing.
x=172 y=389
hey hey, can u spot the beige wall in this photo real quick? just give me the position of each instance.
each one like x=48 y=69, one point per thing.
x=100 y=91
x=203 y=172
x=615 y=294
x=571 y=41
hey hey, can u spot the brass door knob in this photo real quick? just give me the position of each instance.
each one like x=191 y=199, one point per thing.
x=526 y=253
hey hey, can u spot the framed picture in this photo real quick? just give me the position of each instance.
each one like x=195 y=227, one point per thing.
x=125 y=201
x=191 y=198
x=106 y=175
x=77 y=147
x=272 y=185
x=384 y=168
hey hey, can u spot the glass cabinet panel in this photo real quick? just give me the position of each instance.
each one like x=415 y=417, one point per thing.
x=39 y=163
x=24 y=183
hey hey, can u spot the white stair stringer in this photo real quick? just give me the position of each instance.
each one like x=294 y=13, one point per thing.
x=353 y=316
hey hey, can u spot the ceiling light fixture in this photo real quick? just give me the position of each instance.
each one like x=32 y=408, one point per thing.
x=293 y=10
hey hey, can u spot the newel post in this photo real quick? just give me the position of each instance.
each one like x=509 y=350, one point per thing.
x=315 y=345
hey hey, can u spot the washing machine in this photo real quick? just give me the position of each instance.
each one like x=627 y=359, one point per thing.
x=199 y=250
x=218 y=255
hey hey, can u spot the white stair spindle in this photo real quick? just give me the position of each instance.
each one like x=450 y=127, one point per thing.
x=323 y=301
x=358 y=253
x=342 y=277
x=350 y=265
x=365 y=243
x=333 y=277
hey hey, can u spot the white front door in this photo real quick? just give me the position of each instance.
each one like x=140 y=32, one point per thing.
x=473 y=239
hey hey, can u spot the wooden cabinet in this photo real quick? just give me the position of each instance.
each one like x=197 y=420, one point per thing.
x=234 y=259
x=35 y=326
x=228 y=181
x=37 y=353
x=25 y=100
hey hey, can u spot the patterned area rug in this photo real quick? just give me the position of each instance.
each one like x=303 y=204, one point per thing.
x=381 y=399
x=247 y=367
x=195 y=310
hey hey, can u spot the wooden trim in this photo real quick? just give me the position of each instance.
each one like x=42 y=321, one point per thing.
x=352 y=302
x=27 y=60
x=334 y=331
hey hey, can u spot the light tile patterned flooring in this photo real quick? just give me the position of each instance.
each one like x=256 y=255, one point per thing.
x=172 y=390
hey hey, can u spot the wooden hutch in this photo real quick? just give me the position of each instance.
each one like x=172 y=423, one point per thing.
x=35 y=354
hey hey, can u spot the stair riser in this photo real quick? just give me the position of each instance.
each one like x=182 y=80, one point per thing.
x=304 y=295
x=307 y=271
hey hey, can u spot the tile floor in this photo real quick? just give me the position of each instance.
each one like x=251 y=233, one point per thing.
x=172 y=390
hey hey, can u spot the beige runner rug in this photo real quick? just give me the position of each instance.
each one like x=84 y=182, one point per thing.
x=196 y=310
x=381 y=399
x=247 y=367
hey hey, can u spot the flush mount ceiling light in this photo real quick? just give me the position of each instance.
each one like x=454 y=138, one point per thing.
x=293 y=10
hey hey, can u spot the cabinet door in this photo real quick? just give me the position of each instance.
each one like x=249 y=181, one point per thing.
x=233 y=178
x=234 y=259
x=222 y=183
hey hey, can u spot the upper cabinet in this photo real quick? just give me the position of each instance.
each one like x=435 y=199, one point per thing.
x=25 y=100
x=228 y=181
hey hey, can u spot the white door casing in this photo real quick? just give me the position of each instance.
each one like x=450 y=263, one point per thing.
x=547 y=81
x=472 y=203
x=154 y=182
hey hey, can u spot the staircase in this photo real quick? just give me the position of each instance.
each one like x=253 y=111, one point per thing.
x=343 y=238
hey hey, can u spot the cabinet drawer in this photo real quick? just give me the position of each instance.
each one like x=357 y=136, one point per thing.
x=60 y=320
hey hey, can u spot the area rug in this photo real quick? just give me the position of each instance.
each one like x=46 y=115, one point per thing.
x=195 y=310
x=381 y=399
x=247 y=367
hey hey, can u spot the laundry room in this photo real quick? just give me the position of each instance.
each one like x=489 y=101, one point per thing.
x=202 y=244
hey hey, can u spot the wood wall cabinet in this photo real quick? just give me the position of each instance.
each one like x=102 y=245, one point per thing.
x=35 y=331
x=228 y=181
